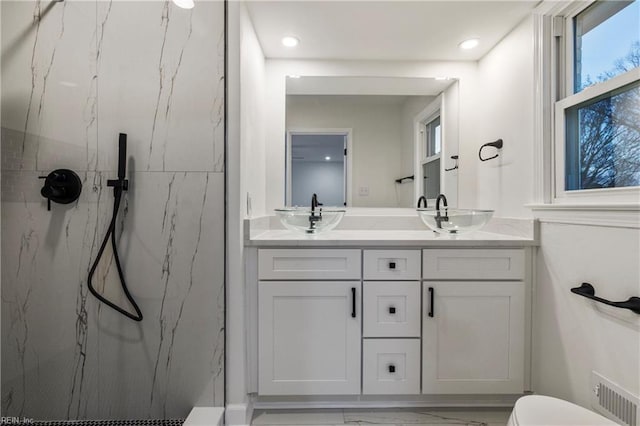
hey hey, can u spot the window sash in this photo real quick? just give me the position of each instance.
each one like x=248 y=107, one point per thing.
x=432 y=145
x=621 y=194
x=591 y=19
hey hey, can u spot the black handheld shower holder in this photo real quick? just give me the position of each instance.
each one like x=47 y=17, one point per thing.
x=119 y=185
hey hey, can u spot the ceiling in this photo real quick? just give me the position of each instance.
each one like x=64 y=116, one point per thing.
x=384 y=30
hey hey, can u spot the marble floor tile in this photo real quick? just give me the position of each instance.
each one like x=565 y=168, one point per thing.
x=499 y=416
x=410 y=417
x=298 y=417
x=382 y=417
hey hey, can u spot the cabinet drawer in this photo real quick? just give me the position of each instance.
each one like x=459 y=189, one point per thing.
x=290 y=264
x=391 y=309
x=391 y=264
x=391 y=366
x=473 y=264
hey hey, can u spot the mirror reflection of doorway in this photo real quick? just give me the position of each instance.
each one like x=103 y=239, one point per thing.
x=317 y=165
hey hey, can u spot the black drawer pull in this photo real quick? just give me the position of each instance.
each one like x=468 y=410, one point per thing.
x=392 y=368
x=392 y=265
x=431 y=292
x=392 y=310
x=353 y=302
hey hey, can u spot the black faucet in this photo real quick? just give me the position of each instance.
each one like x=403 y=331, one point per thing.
x=421 y=199
x=314 y=203
x=439 y=217
x=312 y=217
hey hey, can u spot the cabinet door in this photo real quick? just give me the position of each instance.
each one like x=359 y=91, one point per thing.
x=473 y=337
x=309 y=337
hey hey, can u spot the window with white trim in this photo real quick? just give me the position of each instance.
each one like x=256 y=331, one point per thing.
x=431 y=161
x=597 y=118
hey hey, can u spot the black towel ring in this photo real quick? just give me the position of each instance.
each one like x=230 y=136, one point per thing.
x=496 y=144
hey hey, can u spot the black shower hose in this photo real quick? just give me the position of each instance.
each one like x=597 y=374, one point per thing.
x=117 y=193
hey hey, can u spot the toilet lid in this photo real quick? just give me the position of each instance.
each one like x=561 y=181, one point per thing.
x=537 y=410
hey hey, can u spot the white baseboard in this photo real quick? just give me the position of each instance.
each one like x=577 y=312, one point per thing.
x=238 y=414
x=385 y=402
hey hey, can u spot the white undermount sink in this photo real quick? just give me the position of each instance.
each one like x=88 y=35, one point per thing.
x=302 y=219
x=455 y=221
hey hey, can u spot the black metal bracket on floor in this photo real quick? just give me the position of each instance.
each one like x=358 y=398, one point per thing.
x=587 y=290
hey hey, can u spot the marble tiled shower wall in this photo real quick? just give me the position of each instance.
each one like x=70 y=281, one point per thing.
x=74 y=75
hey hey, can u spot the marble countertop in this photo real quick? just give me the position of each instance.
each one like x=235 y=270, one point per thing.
x=386 y=238
x=403 y=228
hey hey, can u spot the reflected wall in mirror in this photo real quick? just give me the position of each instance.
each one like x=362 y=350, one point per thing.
x=395 y=132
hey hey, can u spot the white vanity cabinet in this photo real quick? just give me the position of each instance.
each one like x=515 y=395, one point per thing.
x=361 y=321
x=473 y=331
x=309 y=331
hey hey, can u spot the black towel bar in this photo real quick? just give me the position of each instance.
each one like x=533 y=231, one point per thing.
x=401 y=180
x=587 y=290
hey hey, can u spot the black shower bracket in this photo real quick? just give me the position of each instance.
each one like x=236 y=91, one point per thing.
x=495 y=144
x=587 y=290
x=121 y=184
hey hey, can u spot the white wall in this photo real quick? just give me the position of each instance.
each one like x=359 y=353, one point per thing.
x=376 y=139
x=278 y=69
x=504 y=109
x=451 y=124
x=246 y=175
x=410 y=108
x=252 y=118
x=572 y=335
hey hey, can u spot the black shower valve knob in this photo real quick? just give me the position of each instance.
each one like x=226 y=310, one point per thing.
x=62 y=186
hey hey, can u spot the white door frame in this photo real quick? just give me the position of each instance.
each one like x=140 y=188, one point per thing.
x=321 y=131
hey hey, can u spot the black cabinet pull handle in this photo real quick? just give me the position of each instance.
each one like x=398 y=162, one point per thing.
x=392 y=368
x=353 y=302
x=431 y=293
x=587 y=290
x=392 y=310
x=392 y=265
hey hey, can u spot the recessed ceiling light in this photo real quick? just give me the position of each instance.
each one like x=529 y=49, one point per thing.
x=327 y=158
x=293 y=76
x=185 y=4
x=290 y=41
x=469 y=44
x=442 y=78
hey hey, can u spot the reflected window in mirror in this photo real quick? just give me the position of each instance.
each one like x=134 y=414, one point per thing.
x=433 y=137
x=432 y=143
